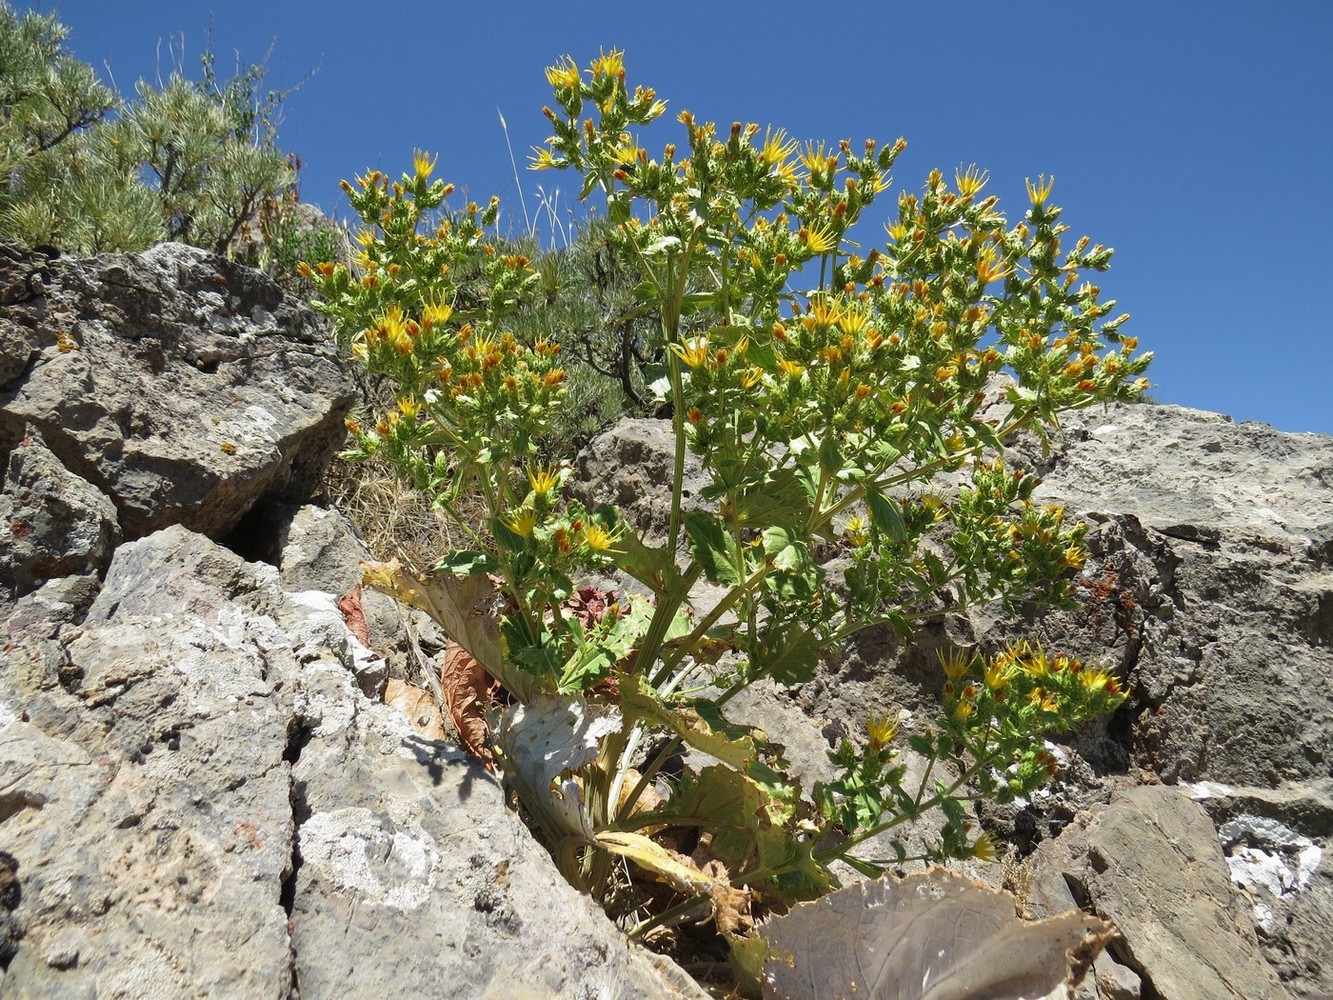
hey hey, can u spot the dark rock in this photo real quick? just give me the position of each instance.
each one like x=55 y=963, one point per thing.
x=52 y=522
x=1150 y=862
x=183 y=386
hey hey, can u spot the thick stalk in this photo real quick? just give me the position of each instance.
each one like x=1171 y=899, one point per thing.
x=687 y=645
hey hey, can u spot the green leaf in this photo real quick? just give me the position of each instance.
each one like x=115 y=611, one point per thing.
x=779 y=498
x=830 y=456
x=786 y=548
x=922 y=744
x=713 y=547
x=660 y=244
x=751 y=829
x=604 y=646
x=465 y=562
x=789 y=655
x=762 y=355
x=654 y=567
x=888 y=518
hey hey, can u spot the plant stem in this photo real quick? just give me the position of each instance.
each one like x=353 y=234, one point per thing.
x=688 y=644
x=679 y=910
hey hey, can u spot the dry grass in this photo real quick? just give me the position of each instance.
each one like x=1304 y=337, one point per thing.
x=396 y=520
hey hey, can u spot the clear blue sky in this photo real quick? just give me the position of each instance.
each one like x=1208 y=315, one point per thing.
x=1194 y=137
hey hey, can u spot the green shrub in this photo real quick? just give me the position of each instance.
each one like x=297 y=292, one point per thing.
x=823 y=419
x=86 y=172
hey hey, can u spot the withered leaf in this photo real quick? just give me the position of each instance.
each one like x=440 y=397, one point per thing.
x=933 y=936
x=418 y=706
x=467 y=689
x=355 y=616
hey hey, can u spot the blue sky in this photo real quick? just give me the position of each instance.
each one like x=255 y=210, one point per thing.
x=1195 y=138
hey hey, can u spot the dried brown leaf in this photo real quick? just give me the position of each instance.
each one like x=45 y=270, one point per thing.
x=467 y=689
x=355 y=616
x=418 y=706
x=728 y=905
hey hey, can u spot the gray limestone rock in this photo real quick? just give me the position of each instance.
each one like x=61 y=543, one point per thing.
x=183 y=386
x=632 y=466
x=199 y=801
x=52 y=523
x=1151 y=863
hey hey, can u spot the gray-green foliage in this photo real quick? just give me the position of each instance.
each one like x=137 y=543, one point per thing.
x=588 y=294
x=83 y=170
x=585 y=298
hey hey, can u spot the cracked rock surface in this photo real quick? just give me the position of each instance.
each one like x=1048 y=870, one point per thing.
x=184 y=387
x=201 y=802
x=197 y=796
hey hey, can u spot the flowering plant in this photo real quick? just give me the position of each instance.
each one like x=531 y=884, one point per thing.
x=825 y=419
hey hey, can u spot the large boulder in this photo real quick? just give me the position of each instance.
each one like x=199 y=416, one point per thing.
x=1151 y=863
x=198 y=800
x=1209 y=589
x=183 y=386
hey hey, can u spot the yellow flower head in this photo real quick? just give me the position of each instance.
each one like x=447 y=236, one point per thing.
x=989 y=268
x=1040 y=191
x=422 y=164
x=543 y=159
x=435 y=312
x=856 y=530
x=985 y=848
x=997 y=674
x=1034 y=662
x=694 y=353
x=815 y=159
x=543 y=479
x=565 y=74
x=853 y=322
x=777 y=148
x=522 y=521
x=1074 y=557
x=393 y=328
x=609 y=64
x=954 y=663
x=821 y=239
x=881 y=730
x=971 y=180
x=598 y=538
x=1099 y=681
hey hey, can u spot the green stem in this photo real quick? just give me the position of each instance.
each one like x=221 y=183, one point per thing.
x=875 y=831
x=688 y=644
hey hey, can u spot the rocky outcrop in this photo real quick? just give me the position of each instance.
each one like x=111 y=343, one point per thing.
x=1150 y=862
x=197 y=795
x=185 y=388
x=1208 y=590
x=201 y=802
x=201 y=792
